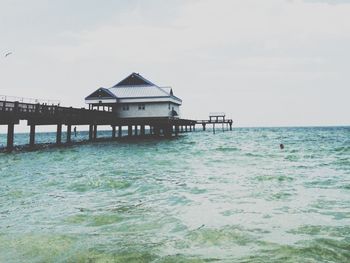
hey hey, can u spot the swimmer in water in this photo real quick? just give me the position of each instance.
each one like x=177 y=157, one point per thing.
x=281 y=146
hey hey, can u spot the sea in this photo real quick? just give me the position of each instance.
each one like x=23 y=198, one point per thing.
x=233 y=196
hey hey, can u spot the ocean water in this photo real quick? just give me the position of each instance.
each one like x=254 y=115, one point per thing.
x=229 y=197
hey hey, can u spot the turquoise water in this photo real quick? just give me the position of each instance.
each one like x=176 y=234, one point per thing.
x=229 y=197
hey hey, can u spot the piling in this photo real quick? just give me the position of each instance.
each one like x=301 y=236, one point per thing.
x=32 y=135
x=10 y=136
x=69 y=133
x=113 y=131
x=59 y=134
x=91 y=131
x=176 y=130
x=95 y=132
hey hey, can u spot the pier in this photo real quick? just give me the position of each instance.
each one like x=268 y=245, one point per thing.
x=36 y=114
x=216 y=118
x=11 y=112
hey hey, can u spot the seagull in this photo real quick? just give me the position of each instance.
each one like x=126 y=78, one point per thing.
x=7 y=54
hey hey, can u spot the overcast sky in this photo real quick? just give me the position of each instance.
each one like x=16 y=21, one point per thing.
x=264 y=63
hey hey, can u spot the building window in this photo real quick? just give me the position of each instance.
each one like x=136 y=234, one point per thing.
x=141 y=106
x=126 y=107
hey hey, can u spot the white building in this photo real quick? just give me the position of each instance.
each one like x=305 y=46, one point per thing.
x=136 y=97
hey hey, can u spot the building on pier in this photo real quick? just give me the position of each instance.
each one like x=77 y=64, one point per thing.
x=136 y=97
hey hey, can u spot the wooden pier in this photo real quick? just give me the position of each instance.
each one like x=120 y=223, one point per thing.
x=216 y=118
x=11 y=112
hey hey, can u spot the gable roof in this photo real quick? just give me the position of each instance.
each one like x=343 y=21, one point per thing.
x=134 y=79
x=101 y=93
x=134 y=87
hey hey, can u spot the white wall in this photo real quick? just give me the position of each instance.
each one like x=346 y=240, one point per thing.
x=151 y=110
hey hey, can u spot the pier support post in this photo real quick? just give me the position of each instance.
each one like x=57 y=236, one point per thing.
x=176 y=130
x=230 y=126
x=214 y=128
x=203 y=124
x=190 y=128
x=182 y=128
x=142 y=130
x=130 y=130
x=186 y=128
x=10 y=136
x=69 y=133
x=168 y=131
x=95 y=132
x=113 y=131
x=136 y=130
x=194 y=127
x=120 y=129
x=157 y=130
x=32 y=135
x=59 y=134
x=91 y=130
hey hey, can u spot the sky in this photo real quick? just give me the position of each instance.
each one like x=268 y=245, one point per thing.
x=264 y=63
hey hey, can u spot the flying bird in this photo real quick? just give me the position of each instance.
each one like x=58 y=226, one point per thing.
x=7 y=54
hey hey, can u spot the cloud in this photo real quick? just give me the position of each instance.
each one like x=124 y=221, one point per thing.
x=239 y=56
x=330 y=2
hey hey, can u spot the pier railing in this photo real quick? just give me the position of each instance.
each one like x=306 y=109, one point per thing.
x=28 y=108
x=29 y=100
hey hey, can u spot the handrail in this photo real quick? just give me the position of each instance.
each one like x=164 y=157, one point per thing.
x=16 y=107
x=214 y=121
x=217 y=114
x=29 y=100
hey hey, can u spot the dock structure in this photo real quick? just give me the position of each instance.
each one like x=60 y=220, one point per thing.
x=11 y=112
x=216 y=118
